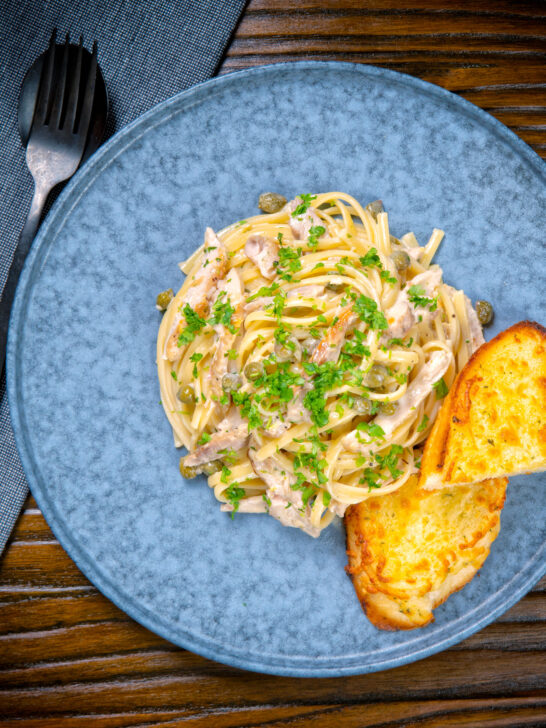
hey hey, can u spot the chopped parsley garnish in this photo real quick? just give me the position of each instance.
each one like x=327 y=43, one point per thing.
x=390 y=460
x=355 y=345
x=371 y=259
x=289 y=262
x=316 y=404
x=264 y=290
x=367 y=311
x=248 y=410
x=370 y=478
x=231 y=354
x=314 y=234
x=424 y=423
x=441 y=388
x=194 y=324
x=386 y=276
x=195 y=358
x=278 y=303
x=400 y=342
x=205 y=437
x=313 y=461
x=304 y=205
x=282 y=335
x=325 y=377
x=416 y=295
x=374 y=432
x=222 y=311
x=278 y=386
x=226 y=472
x=234 y=493
x=173 y=375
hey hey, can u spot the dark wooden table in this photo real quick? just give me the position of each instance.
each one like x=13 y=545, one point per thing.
x=69 y=658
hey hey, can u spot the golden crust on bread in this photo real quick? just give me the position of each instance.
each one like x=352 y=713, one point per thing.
x=410 y=549
x=435 y=446
x=493 y=423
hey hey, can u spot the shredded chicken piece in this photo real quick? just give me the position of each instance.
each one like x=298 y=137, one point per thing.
x=301 y=224
x=264 y=253
x=286 y=503
x=402 y=315
x=232 y=434
x=213 y=269
x=329 y=347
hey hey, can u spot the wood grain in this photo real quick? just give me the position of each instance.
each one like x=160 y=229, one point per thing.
x=70 y=658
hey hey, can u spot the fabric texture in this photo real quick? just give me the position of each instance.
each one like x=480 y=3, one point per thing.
x=148 y=50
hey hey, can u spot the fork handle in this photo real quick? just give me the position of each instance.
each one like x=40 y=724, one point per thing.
x=21 y=251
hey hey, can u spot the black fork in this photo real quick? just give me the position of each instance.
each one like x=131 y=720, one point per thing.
x=60 y=127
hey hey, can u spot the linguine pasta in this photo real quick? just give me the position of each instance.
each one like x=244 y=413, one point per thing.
x=304 y=359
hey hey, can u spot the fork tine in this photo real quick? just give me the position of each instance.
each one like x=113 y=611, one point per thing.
x=46 y=76
x=57 y=108
x=89 y=97
x=74 y=92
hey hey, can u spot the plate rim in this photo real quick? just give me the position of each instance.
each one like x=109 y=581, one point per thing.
x=340 y=665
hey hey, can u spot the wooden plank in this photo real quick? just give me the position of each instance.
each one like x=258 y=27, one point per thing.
x=499 y=7
x=431 y=714
x=455 y=674
x=42 y=612
x=41 y=563
x=401 y=24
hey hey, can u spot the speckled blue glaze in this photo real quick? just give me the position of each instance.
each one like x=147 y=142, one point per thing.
x=84 y=398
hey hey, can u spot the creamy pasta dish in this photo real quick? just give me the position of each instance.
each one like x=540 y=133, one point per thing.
x=304 y=359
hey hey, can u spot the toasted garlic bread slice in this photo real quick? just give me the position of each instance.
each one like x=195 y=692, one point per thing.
x=435 y=446
x=495 y=413
x=410 y=549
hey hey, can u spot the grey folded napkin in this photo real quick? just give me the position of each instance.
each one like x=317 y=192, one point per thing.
x=148 y=50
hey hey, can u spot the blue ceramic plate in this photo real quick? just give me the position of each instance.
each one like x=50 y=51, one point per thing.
x=84 y=399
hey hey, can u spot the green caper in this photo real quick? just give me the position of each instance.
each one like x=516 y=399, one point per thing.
x=400 y=259
x=374 y=208
x=271 y=202
x=163 y=299
x=375 y=378
x=210 y=468
x=485 y=312
x=186 y=394
x=336 y=287
x=362 y=406
x=231 y=382
x=288 y=350
x=254 y=371
x=387 y=408
x=186 y=471
x=393 y=240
